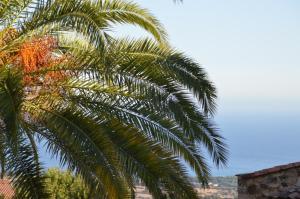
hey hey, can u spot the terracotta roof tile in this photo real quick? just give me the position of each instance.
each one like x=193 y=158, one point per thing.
x=270 y=170
x=6 y=189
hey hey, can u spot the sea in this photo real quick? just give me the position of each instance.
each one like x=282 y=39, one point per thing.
x=258 y=139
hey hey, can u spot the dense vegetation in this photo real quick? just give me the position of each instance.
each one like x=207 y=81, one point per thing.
x=111 y=109
x=64 y=185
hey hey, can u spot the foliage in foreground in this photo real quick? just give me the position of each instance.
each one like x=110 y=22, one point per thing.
x=111 y=109
x=64 y=185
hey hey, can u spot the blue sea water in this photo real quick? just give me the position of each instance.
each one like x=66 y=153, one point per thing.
x=259 y=140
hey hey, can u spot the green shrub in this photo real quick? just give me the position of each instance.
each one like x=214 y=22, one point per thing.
x=64 y=185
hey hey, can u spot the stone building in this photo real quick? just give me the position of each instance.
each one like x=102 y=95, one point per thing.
x=281 y=182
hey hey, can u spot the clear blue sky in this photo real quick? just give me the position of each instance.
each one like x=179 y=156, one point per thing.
x=250 y=49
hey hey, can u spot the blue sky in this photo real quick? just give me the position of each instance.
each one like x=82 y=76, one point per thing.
x=250 y=49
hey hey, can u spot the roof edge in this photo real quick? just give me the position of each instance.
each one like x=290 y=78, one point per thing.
x=269 y=170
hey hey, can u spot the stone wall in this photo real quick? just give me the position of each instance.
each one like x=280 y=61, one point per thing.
x=276 y=182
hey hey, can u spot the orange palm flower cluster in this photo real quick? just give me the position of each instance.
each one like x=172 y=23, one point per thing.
x=6 y=35
x=37 y=55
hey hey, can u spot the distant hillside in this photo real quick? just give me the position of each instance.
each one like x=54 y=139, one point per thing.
x=219 y=188
x=222 y=182
x=229 y=181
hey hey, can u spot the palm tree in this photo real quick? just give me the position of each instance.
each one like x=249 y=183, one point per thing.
x=114 y=110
